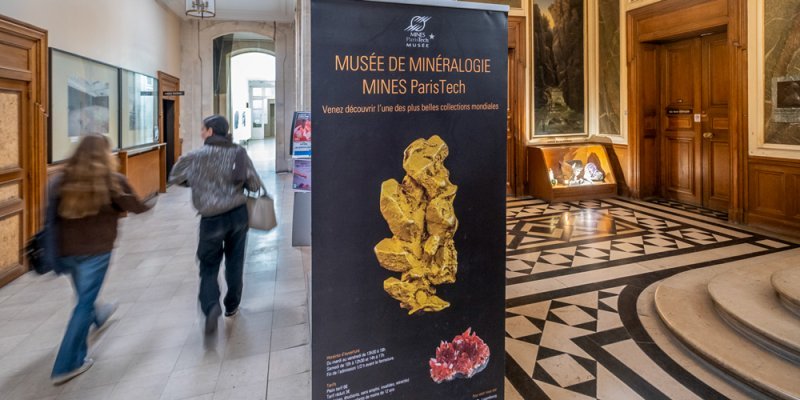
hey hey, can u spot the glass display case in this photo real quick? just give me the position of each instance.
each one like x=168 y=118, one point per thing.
x=569 y=172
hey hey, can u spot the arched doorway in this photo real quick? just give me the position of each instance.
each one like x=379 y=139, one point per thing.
x=252 y=100
x=245 y=91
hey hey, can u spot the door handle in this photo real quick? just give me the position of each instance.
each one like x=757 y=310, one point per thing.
x=708 y=135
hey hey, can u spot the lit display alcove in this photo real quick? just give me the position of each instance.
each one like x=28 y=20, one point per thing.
x=570 y=172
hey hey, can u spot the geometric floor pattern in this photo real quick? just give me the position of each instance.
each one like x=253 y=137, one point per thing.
x=574 y=272
x=721 y=215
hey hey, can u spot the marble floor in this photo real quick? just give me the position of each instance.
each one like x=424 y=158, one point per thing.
x=576 y=325
x=155 y=348
x=575 y=328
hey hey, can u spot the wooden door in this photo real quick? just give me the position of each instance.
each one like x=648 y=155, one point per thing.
x=13 y=182
x=23 y=70
x=168 y=111
x=716 y=149
x=170 y=123
x=510 y=128
x=680 y=100
x=696 y=153
x=516 y=139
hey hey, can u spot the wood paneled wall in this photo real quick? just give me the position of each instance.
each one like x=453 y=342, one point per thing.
x=622 y=162
x=680 y=18
x=144 y=170
x=774 y=195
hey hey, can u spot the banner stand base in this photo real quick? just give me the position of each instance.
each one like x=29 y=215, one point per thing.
x=301 y=219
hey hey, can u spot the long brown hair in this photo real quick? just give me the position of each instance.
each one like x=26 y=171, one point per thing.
x=89 y=182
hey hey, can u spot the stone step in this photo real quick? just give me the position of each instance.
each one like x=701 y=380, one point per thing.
x=685 y=306
x=745 y=298
x=787 y=284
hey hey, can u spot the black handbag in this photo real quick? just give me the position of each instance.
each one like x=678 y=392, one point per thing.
x=41 y=250
x=35 y=253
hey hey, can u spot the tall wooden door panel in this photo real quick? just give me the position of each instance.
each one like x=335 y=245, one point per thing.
x=516 y=140
x=169 y=117
x=715 y=126
x=510 y=136
x=696 y=139
x=680 y=97
x=13 y=103
x=23 y=122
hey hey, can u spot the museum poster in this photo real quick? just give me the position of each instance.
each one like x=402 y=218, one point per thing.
x=408 y=210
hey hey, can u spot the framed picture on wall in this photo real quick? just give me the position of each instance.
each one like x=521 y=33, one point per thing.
x=84 y=99
x=559 y=54
x=139 y=99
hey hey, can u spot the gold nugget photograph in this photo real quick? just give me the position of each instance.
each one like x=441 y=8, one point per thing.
x=419 y=212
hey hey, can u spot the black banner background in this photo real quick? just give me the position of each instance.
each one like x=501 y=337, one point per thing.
x=355 y=153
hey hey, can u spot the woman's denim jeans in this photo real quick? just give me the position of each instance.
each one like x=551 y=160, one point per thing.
x=88 y=273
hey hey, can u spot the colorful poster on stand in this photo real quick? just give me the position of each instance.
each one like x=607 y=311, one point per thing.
x=301 y=134
x=301 y=174
x=408 y=212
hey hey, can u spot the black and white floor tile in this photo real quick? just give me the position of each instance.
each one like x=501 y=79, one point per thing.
x=574 y=273
x=720 y=215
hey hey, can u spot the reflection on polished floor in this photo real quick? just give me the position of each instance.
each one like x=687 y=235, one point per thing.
x=579 y=323
x=155 y=349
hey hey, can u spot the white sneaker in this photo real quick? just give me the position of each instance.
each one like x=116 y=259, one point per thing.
x=63 y=378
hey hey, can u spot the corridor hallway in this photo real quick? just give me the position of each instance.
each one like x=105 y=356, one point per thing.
x=155 y=348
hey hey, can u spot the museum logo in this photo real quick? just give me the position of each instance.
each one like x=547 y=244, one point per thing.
x=417 y=37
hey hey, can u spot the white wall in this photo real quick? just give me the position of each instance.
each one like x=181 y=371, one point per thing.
x=139 y=35
x=303 y=54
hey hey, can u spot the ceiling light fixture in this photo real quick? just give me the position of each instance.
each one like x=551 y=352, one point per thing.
x=201 y=8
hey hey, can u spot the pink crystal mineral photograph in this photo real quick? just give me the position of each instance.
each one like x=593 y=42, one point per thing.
x=464 y=357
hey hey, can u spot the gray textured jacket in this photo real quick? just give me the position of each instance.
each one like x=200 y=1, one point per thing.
x=218 y=173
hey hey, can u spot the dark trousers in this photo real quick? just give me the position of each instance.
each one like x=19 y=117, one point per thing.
x=223 y=234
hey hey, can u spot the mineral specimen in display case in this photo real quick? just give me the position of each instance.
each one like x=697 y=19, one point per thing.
x=419 y=212
x=464 y=357
x=593 y=173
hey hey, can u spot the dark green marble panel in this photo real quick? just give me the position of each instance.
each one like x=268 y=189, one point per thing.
x=609 y=59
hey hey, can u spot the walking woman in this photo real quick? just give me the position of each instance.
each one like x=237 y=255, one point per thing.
x=84 y=204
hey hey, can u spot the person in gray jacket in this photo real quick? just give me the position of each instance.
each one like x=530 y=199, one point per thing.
x=218 y=173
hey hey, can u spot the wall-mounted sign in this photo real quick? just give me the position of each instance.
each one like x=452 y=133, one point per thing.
x=786 y=99
x=174 y=93
x=408 y=211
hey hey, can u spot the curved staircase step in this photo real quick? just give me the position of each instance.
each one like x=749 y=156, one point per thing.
x=787 y=283
x=745 y=299
x=685 y=306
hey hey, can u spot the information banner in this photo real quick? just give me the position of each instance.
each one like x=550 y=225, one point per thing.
x=408 y=212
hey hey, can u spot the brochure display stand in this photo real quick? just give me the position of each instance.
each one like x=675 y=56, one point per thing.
x=408 y=213
x=301 y=178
